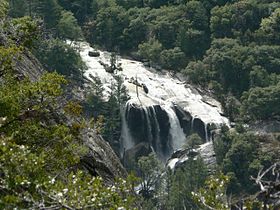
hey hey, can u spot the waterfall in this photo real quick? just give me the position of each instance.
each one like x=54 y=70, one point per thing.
x=177 y=134
x=150 y=117
x=157 y=125
x=192 y=123
x=126 y=138
x=157 y=144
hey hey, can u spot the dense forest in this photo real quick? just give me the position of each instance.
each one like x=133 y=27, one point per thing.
x=229 y=48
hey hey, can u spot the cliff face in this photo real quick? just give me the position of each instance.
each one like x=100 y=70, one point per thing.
x=28 y=66
x=100 y=160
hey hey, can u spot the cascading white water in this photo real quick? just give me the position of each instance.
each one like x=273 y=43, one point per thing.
x=178 y=138
x=147 y=116
x=163 y=90
x=192 y=122
x=126 y=138
x=157 y=128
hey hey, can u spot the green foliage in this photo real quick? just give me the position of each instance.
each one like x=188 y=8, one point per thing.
x=231 y=107
x=130 y=3
x=109 y=25
x=213 y=195
x=68 y=27
x=112 y=113
x=197 y=72
x=19 y=8
x=39 y=150
x=58 y=56
x=261 y=103
x=259 y=77
x=109 y=108
x=95 y=99
x=6 y=59
x=193 y=141
x=173 y=58
x=136 y=31
x=240 y=157
x=84 y=192
x=25 y=183
x=222 y=144
x=182 y=27
x=82 y=9
x=25 y=31
x=27 y=107
x=190 y=177
x=193 y=42
x=4 y=6
x=155 y=3
x=230 y=47
x=73 y=108
x=166 y=189
x=269 y=28
x=238 y=19
x=42 y=8
x=231 y=64
x=150 y=49
x=150 y=171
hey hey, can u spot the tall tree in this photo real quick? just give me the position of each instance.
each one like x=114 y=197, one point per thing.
x=68 y=27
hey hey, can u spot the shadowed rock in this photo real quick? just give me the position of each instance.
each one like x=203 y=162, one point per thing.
x=94 y=53
x=101 y=160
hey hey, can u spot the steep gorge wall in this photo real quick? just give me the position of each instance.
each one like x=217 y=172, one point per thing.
x=100 y=159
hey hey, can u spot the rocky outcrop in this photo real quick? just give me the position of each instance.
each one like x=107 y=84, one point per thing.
x=185 y=119
x=26 y=65
x=201 y=129
x=100 y=159
x=206 y=151
x=93 y=53
x=131 y=156
x=149 y=125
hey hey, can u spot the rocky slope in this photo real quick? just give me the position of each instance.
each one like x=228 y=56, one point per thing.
x=100 y=159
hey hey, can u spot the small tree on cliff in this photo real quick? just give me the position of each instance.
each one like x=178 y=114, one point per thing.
x=150 y=171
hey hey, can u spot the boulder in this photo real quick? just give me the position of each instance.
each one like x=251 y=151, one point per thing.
x=206 y=151
x=94 y=53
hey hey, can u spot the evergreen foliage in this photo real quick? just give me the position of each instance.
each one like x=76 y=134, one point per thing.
x=39 y=150
x=230 y=47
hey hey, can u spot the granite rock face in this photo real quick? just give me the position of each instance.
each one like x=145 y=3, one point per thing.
x=28 y=66
x=206 y=152
x=100 y=159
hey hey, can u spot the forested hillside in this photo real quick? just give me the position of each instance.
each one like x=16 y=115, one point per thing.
x=228 y=48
